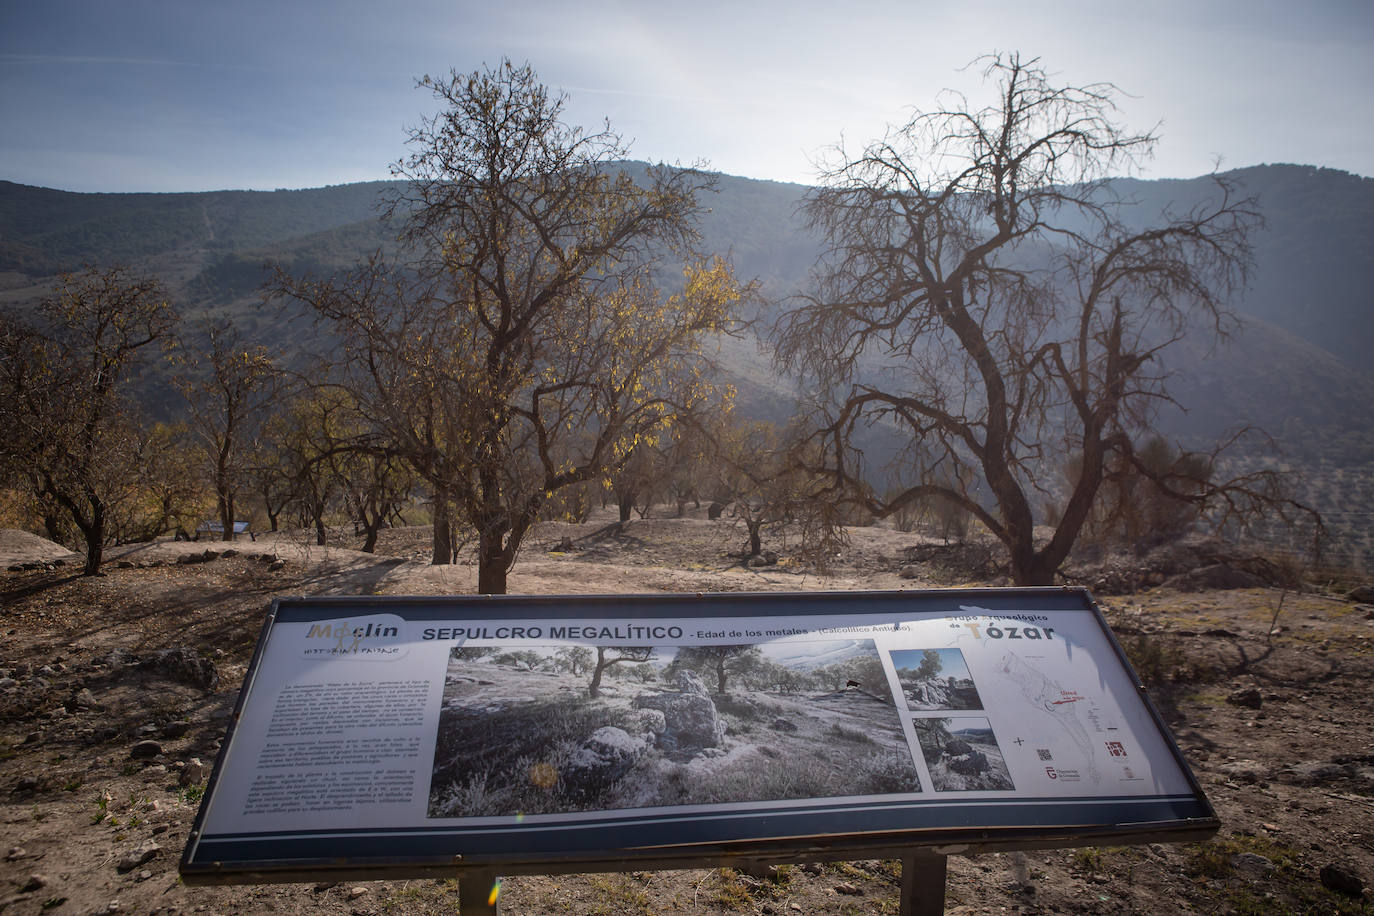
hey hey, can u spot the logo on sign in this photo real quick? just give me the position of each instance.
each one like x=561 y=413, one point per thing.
x=376 y=638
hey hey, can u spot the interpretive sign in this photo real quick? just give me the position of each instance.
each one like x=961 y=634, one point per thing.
x=408 y=736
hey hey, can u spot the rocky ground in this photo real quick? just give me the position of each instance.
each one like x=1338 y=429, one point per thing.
x=115 y=692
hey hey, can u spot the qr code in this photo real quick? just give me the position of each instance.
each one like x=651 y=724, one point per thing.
x=1044 y=753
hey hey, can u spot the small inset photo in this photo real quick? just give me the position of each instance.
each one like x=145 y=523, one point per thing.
x=934 y=679
x=962 y=755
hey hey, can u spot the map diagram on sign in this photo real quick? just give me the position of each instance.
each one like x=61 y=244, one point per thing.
x=1065 y=707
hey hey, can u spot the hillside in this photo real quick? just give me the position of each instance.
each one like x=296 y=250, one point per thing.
x=1299 y=368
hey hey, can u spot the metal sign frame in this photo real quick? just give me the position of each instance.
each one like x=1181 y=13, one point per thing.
x=930 y=822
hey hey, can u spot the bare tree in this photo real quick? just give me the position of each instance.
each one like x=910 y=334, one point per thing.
x=69 y=421
x=526 y=349
x=761 y=472
x=984 y=292
x=229 y=385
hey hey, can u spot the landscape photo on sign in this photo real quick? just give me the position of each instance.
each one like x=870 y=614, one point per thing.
x=935 y=679
x=962 y=755
x=563 y=729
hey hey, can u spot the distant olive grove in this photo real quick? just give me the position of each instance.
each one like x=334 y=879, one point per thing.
x=517 y=354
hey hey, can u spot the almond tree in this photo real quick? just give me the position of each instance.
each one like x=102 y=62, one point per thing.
x=984 y=292
x=70 y=422
x=526 y=347
x=230 y=386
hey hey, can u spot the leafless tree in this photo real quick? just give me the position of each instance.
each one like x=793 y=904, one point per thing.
x=230 y=386
x=986 y=293
x=70 y=425
x=525 y=348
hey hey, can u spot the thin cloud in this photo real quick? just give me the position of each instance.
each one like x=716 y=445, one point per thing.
x=66 y=60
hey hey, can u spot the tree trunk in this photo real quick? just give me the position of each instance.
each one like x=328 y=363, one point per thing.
x=625 y=506
x=53 y=526
x=442 y=551
x=755 y=537
x=491 y=569
x=595 y=686
x=225 y=499
x=94 y=534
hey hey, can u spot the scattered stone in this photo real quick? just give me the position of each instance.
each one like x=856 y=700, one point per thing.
x=1252 y=865
x=85 y=699
x=1342 y=880
x=184 y=665
x=784 y=725
x=15 y=853
x=1249 y=697
x=844 y=887
x=323 y=886
x=145 y=750
x=35 y=883
x=1364 y=594
x=1247 y=771
x=355 y=892
x=138 y=855
x=909 y=572
x=1315 y=772
x=26 y=784
x=766 y=558
x=175 y=729
x=192 y=773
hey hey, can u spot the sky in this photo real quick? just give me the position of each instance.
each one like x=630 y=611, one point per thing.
x=190 y=95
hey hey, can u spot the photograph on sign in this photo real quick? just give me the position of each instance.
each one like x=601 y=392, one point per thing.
x=963 y=755
x=534 y=729
x=544 y=729
x=935 y=679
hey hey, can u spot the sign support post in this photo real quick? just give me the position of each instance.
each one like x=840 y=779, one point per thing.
x=923 y=884
x=475 y=897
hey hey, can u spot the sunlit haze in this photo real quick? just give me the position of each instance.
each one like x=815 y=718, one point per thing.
x=170 y=96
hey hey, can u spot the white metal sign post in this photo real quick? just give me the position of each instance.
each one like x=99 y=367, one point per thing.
x=388 y=737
